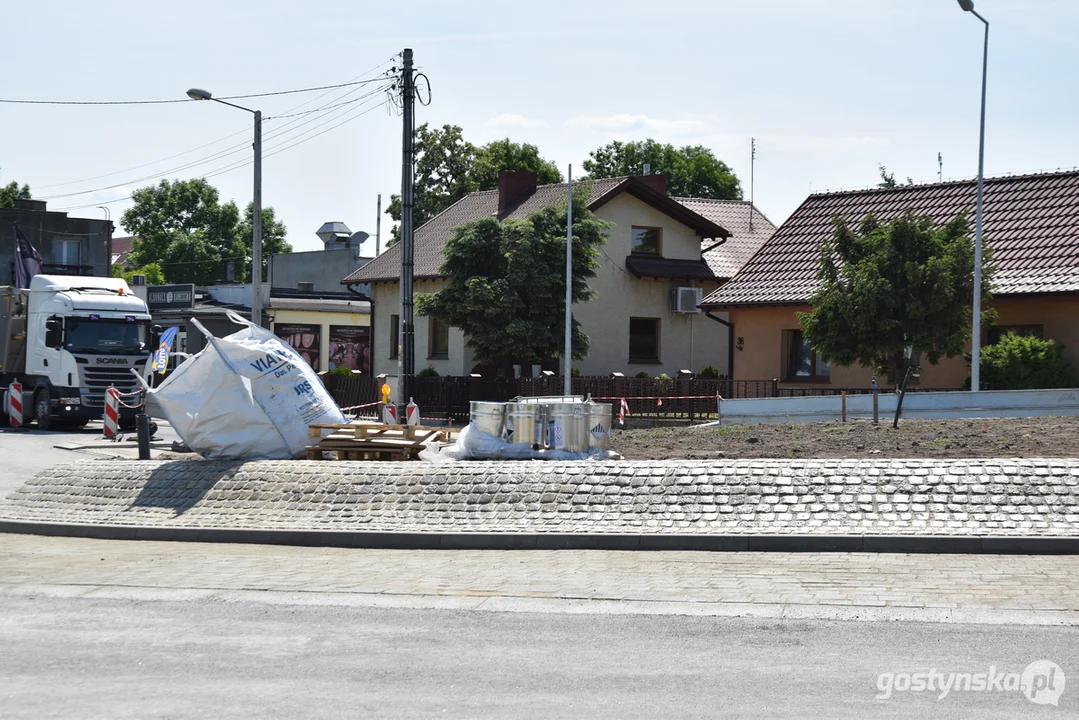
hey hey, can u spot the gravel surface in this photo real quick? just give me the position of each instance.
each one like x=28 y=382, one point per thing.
x=1042 y=437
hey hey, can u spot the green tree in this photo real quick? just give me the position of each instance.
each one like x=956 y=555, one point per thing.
x=884 y=287
x=153 y=272
x=448 y=167
x=274 y=233
x=501 y=155
x=691 y=171
x=887 y=179
x=184 y=227
x=11 y=192
x=506 y=283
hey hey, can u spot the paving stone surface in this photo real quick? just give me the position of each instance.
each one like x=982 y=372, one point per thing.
x=1018 y=497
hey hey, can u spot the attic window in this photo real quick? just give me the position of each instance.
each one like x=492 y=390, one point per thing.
x=646 y=240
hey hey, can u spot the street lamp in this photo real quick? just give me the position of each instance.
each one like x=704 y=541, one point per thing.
x=976 y=334
x=256 y=216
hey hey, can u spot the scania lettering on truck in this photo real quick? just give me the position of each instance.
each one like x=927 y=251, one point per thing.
x=67 y=339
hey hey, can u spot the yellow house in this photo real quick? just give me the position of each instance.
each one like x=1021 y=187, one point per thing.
x=1031 y=223
x=661 y=256
x=327 y=330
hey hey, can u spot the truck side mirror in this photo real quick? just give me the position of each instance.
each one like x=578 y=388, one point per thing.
x=155 y=336
x=54 y=333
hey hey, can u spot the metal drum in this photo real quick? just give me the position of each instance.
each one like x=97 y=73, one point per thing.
x=524 y=423
x=567 y=426
x=490 y=417
x=599 y=425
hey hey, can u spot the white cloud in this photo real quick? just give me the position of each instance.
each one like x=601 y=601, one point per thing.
x=624 y=123
x=511 y=121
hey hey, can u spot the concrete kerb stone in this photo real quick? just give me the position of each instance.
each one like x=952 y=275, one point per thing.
x=996 y=505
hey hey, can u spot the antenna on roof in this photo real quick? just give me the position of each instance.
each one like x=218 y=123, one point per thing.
x=752 y=162
x=940 y=168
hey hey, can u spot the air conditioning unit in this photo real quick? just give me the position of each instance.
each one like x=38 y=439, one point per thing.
x=686 y=300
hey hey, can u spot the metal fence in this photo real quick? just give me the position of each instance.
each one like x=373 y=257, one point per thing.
x=448 y=398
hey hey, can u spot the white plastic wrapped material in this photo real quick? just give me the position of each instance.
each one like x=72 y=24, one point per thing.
x=245 y=396
x=475 y=444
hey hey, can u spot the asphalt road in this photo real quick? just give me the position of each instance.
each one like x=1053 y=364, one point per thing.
x=121 y=658
x=26 y=452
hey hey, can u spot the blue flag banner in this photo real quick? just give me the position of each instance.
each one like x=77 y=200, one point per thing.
x=161 y=357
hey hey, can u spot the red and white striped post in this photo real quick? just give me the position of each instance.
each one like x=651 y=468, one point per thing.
x=112 y=413
x=412 y=413
x=14 y=404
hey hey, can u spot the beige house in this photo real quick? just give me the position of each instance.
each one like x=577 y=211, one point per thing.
x=1031 y=224
x=662 y=256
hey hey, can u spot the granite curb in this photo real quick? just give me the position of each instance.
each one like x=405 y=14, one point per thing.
x=942 y=544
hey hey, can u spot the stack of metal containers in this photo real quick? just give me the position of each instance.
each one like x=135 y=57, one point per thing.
x=569 y=423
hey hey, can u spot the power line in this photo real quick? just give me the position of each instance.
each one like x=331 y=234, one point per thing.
x=214 y=142
x=286 y=145
x=185 y=100
x=232 y=150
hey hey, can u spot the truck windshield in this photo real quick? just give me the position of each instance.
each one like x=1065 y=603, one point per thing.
x=106 y=337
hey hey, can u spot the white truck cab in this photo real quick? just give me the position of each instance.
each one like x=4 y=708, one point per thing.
x=67 y=340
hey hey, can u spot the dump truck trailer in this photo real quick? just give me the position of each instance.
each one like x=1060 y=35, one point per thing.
x=67 y=339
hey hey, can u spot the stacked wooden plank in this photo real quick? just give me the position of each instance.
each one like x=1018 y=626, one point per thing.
x=370 y=441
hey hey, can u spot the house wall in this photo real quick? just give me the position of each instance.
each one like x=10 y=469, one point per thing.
x=324 y=320
x=687 y=341
x=46 y=231
x=387 y=302
x=324 y=268
x=761 y=330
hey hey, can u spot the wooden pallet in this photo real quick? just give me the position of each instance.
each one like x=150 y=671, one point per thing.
x=370 y=441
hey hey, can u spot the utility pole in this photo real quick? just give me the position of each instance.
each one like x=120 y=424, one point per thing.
x=407 y=380
x=378 y=224
x=256 y=228
x=752 y=162
x=567 y=368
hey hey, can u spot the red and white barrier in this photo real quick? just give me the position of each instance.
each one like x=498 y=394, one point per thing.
x=412 y=413
x=389 y=414
x=112 y=413
x=14 y=404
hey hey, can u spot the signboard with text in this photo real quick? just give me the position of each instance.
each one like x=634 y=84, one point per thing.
x=170 y=297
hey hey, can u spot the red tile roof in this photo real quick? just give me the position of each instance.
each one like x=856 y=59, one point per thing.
x=1031 y=222
x=727 y=259
x=430 y=239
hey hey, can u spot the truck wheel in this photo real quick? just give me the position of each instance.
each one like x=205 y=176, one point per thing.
x=41 y=412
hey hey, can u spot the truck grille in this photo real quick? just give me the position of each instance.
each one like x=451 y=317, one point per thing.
x=96 y=380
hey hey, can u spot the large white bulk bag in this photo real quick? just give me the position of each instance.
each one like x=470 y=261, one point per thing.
x=245 y=396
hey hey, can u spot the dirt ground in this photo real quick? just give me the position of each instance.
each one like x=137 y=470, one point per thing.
x=1011 y=437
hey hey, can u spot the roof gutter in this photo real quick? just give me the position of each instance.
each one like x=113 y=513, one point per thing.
x=713 y=247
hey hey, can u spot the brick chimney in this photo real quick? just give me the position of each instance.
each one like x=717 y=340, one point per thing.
x=514 y=187
x=657 y=182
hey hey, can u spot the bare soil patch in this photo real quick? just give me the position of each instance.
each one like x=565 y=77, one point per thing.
x=1008 y=437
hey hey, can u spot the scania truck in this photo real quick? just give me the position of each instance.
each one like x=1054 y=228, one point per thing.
x=67 y=339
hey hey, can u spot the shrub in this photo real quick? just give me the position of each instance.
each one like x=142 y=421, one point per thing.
x=340 y=371
x=1026 y=363
x=643 y=374
x=427 y=372
x=708 y=372
x=575 y=372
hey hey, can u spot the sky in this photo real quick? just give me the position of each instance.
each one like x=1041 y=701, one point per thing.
x=830 y=89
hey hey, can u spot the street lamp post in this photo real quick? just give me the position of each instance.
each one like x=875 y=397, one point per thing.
x=256 y=216
x=976 y=333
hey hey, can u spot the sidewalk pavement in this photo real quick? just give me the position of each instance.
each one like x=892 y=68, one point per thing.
x=1015 y=589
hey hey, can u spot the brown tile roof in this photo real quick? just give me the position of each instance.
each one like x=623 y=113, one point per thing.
x=122 y=246
x=727 y=259
x=430 y=239
x=1031 y=222
x=643 y=266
